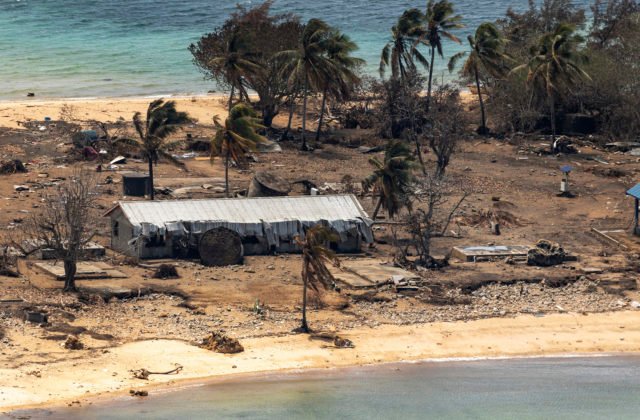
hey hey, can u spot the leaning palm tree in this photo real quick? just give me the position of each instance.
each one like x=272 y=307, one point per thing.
x=401 y=52
x=555 y=65
x=487 y=52
x=163 y=119
x=236 y=137
x=233 y=63
x=339 y=84
x=439 y=20
x=391 y=178
x=308 y=64
x=315 y=257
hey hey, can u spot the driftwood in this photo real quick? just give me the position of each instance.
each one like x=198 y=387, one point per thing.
x=338 y=342
x=144 y=373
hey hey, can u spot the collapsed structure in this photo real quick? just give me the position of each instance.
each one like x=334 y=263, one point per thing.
x=163 y=229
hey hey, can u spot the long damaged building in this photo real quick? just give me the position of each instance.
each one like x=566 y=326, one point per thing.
x=164 y=229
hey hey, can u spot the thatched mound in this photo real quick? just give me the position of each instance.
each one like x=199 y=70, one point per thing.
x=221 y=343
x=219 y=247
x=265 y=184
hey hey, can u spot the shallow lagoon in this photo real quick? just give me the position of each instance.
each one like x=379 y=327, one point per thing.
x=567 y=388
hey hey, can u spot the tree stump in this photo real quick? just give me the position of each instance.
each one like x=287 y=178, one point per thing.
x=219 y=247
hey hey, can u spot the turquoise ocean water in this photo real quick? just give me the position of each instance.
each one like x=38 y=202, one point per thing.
x=560 y=388
x=87 y=48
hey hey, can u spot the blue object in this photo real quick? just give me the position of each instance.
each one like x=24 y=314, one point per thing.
x=89 y=135
x=634 y=192
x=566 y=169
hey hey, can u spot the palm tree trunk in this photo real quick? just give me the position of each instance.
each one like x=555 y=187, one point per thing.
x=304 y=113
x=151 y=191
x=377 y=209
x=233 y=88
x=286 y=131
x=324 y=103
x=433 y=53
x=243 y=93
x=552 y=108
x=305 y=268
x=226 y=173
x=483 y=125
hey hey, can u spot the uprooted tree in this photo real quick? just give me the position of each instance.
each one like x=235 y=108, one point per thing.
x=66 y=222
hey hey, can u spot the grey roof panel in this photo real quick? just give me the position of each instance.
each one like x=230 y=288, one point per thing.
x=245 y=210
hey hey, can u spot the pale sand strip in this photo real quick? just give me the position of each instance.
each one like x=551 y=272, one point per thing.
x=203 y=108
x=93 y=373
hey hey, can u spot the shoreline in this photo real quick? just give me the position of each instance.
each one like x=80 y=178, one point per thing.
x=309 y=373
x=552 y=336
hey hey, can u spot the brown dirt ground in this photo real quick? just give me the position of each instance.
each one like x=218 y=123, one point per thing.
x=263 y=296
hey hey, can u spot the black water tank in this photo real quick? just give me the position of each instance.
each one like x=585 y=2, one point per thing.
x=136 y=185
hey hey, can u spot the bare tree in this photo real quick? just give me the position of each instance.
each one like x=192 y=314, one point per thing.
x=66 y=222
x=428 y=220
x=448 y=123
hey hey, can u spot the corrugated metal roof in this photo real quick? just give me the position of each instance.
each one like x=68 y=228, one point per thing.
x=245 y=210
x=634 y=192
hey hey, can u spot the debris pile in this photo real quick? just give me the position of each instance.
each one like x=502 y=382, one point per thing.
x=9 y=167
x=221 y=343
x=73 y=343
x=546 y=254
x=166 y=271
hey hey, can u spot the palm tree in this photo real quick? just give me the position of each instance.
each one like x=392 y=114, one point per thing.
x=163 y=119
x=487 y=51
x=555 y=64
x=235 y=62
x=401 y=53
x=338 y=49
x=391 y=178
x=236 y=137
x=315 y=257
x=308 y=64
x=439 y=20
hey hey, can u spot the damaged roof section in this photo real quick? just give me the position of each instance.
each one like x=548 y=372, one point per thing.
x=269 y=217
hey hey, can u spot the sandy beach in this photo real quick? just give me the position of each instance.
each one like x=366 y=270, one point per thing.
x=88 y=374
x=12 y=113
